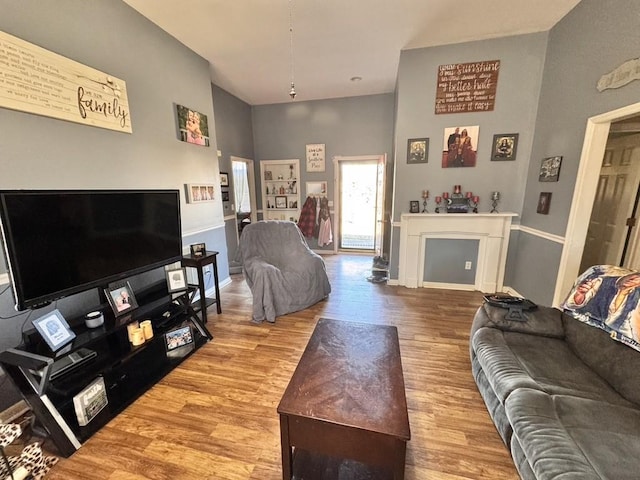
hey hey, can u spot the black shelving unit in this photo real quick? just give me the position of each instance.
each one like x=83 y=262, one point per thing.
x=128 y=371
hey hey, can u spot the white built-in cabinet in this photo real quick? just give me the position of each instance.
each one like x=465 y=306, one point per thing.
x=280 y=189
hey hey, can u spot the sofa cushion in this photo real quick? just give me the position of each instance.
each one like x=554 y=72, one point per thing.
x=618 y=364
x=566 y=437
x=513 y=360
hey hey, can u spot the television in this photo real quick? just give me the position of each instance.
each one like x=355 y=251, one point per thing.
x=61 y=242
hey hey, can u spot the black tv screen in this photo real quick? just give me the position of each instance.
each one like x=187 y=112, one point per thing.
x=62 y=242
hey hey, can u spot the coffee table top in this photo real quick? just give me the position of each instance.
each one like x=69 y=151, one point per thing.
x=350 y=374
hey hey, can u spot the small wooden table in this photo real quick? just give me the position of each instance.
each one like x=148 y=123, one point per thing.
x=346 y=400
x=199 y=262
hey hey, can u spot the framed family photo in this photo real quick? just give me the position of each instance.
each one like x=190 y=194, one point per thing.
x=200 y=192
x=505 y=146
x=224 y=179
x=197 y=249
x=121 y=298
x=544 y=202
x=414 y=206
x=418 y=150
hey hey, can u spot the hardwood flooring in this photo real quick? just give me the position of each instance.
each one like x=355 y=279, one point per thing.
x=214 y=417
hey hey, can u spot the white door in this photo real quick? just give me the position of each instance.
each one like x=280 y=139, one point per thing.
x=613 y=204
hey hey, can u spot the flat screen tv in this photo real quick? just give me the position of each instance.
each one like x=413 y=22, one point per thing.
x=58 y=243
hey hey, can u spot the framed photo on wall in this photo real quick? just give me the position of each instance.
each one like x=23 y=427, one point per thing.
x=544 y=201
x=505 y=146
x=200 y=192
x=550 y=169
x=224 y=179
x=417 y=150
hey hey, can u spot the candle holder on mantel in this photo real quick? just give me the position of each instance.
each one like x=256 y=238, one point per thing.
x=425 y=196
x=457 y=202
x=495 y=198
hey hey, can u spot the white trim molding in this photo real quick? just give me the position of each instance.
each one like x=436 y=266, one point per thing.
x=539 y=233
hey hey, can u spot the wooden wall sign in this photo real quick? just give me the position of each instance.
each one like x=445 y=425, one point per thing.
x=467 y=87
x=35 y=80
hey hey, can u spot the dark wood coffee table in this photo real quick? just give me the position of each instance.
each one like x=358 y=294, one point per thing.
x=346 y=400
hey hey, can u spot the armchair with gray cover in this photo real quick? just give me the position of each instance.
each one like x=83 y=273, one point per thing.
x=284 y=275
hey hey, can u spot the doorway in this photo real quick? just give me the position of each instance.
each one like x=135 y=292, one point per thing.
x=360 y=198
x=610 y=230
x=593 y=152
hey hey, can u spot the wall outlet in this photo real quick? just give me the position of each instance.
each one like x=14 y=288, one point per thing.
x=467 y=265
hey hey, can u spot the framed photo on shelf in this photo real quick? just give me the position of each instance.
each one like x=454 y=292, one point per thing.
x=543 y=203
x=54 y=329
x=179 y=337
x=224 y=179
x=417 y=150
x=281 y=202
x=505 y=146
x=177 y=280
x=121 y=298
x=268 y=175
x=414 y=206
x=550 y=169
x=198 y=249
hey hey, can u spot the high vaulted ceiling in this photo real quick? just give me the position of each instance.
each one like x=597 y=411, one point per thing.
x=248 y=44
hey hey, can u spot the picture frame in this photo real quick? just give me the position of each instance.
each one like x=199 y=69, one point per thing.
x=197 y=249
x=54 y=330
x=550 y=169
x=121 y=298
x=177 y=280
x=225 y=195
x=178 y=337
x=193 y=126
x=505 y=147
x=417 y=150
x=460 y=146
x=268 y=175
x=200 y=192
x=414 y=206
x=281 y=202
x=315 y=156
x=544 y=202
x=224 y=179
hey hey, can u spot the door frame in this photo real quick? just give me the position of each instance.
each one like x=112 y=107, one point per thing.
x=251 y=178
x=593 y=148
x=338 y=188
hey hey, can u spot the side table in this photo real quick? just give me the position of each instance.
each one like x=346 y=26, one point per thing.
x=199 y=262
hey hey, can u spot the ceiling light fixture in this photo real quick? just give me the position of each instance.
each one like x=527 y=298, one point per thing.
x=292 y=91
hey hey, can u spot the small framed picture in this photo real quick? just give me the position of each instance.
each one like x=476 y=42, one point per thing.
x=198 y=249
x=505 y=146
x=414 y=206
x=179 y=337
x=121 y=298
x=268 y=175
x=54 y=329
x=543 y=203
x=418 y=150
x=550 y=169
x=224 y=179
x=281 y=202
x=177 y=279
x=225 y=195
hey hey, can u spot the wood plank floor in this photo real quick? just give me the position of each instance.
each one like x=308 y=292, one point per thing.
x=214 y=417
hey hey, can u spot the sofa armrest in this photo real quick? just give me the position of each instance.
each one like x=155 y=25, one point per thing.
x=542 y=321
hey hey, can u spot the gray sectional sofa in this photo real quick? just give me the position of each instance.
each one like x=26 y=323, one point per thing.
x=563 y=395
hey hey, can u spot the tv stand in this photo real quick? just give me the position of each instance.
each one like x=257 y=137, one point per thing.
x=128 y=371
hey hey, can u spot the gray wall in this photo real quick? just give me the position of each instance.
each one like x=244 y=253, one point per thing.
x=593 y=39
x=521 y=64
x=444 y=261
x=347 y=126
x=41 y=152
x=234 y=133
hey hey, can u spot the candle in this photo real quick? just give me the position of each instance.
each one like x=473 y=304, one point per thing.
x=438 y=199
x=425 y=194
x=469 y=195
x=445 y=195
x=476 y=199
x=457 y=189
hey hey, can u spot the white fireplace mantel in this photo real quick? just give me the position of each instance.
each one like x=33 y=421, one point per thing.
x=490 y=229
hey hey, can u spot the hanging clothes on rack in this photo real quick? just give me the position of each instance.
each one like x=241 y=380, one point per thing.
x=307 y=220
x=325 y=235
